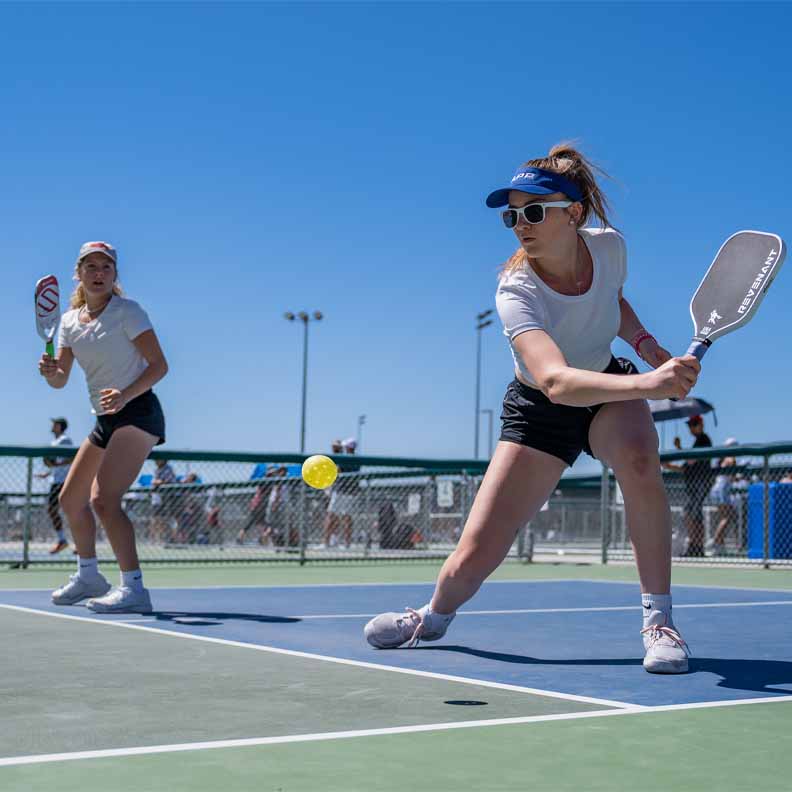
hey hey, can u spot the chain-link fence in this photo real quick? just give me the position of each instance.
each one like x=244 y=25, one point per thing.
x=728 y=505
x=241 y=507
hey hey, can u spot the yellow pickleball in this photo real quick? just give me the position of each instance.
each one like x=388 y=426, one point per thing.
x=319 y=471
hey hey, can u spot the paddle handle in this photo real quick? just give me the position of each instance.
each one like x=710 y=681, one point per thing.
x=50 y=349
x=698 y=348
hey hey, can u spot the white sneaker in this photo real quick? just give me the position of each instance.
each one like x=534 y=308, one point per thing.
x=122 y=600
x=78 y=589
x=666 y=651
x=390 y=630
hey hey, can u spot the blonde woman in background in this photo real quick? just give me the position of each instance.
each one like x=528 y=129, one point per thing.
x=114 y=343
x=561 y=301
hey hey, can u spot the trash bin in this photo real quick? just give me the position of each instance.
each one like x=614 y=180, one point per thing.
x=780 y=521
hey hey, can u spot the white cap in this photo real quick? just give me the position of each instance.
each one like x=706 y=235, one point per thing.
x=350 y=443
x=730 y=441
x=97 y=247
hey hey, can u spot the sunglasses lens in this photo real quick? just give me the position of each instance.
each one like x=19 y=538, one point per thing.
x=509 y=218
x=534 y=213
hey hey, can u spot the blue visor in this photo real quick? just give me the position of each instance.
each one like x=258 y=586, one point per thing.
x=537 y=182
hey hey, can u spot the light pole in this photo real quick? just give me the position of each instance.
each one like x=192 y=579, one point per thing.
x=489 y=413
x=361 y=421
x=481 y=323
x=305 y=319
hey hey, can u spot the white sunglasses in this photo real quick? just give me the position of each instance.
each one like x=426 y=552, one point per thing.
x=533 y=213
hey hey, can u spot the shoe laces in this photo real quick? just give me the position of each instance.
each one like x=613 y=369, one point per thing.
x=657 y=632
x=417 y=619
x=116 y=595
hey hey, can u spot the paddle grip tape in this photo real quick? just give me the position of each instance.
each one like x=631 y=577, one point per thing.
x=698 y=348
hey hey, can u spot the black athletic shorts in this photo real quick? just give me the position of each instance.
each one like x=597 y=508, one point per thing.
x=144 y=412
x=531 y=419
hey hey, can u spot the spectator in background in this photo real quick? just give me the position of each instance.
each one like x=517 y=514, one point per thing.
x=58 y=470
x=697 y=475
x=722 y=494
x=343 y=498
x=258 y=509
x=280 y=512
x=190 y=513
x=331 y=519
x=214 y=528
x=162 y=501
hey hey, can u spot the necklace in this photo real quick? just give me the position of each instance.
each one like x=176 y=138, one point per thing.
x=92 y=313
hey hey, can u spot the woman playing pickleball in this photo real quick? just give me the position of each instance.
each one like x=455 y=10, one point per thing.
x=560 y=298
x=115 y=344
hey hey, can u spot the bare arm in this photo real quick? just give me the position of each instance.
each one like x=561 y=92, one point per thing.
x=631 y=326
x=113 y=400
x=563 y=384
x=56 y=369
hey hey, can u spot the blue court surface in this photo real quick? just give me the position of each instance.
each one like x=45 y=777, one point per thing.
x=570 y=637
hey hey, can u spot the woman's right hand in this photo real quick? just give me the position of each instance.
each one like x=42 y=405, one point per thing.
x=48 y=366
x=674 y=379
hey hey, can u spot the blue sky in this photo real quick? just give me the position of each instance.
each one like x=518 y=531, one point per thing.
x=255 y=158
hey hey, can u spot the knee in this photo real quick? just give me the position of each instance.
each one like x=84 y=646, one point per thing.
x=103 y=504
x=639 y=459
x=70 y=505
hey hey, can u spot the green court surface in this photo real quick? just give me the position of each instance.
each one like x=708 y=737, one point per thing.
x=175 y=690
x=732 y=749
x=96 y=707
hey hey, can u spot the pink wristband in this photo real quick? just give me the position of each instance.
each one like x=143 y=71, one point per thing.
x=638 y=339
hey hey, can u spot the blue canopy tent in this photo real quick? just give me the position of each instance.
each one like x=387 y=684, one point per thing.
x=292 y=471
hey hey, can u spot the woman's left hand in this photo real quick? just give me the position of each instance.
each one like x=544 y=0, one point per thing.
x=653 y=353
x=111 y=400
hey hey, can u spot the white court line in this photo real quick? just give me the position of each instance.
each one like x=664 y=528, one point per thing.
x=675 y=586
x=605 y=609
x=293 y=738
x=326 y=658
x=633 y=583
x=311 y=585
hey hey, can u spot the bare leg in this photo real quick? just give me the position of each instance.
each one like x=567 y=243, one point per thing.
x=125 y=455
x=725 y=512
x=346 y=523
x=518 y=482
x=75 y=498
x=330 y=527
x=623 y=436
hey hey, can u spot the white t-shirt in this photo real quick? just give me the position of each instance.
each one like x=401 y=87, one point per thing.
x=583 y=327
x=61 y=468
x=104 y=347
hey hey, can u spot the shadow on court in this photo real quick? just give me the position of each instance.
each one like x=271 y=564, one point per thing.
x=199 y=618
x=504 y=657
x=757 y=676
